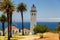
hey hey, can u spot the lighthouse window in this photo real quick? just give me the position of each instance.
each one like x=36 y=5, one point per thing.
x=32 y=14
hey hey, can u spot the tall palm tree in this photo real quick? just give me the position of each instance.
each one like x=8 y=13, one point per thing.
x=22 y=8
x=8 y=7
x=3 y=19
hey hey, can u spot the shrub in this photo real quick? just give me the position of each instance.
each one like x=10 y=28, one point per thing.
x=57 y=29
x=41 y=29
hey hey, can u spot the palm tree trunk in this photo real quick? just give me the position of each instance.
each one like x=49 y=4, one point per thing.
x=8 y=19
x=11 y=25
x=22 y=23
x=3 y=28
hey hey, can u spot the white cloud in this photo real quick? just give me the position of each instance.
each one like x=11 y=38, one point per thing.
x=48 y=19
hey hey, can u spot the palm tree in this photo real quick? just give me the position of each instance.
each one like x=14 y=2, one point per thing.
x=8 y=7
x=3 y=19
x=22 y=8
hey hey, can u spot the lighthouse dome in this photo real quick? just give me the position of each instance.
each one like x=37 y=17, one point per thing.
x=33 y=8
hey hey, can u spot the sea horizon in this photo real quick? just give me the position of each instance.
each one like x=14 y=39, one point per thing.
x=51 y=25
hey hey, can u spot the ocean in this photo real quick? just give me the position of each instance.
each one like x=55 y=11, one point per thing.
x=51 y=25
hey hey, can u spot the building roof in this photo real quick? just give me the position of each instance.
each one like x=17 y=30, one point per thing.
x=26 y=29
x=13 y=28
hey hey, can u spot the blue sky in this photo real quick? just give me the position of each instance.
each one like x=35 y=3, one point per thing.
x=47 y=10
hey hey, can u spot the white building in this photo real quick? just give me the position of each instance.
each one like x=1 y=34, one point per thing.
x=33 y=18
x=14 y=30
x=26 y=31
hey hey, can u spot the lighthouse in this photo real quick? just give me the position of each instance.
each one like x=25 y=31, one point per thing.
x=33 y=18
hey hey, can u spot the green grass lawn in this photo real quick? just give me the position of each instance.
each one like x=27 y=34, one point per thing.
x=5 y=38
x=2 y=37
x=14 y=37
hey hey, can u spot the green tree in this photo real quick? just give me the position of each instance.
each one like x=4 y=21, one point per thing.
x=8 y=7
x=57 y=29
x=3 y=19
x=22 y=8
x=41 y=29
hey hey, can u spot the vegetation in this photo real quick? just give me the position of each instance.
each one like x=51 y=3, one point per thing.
x=22 y=8
x=41 y=29
x=3 y=19
x=5 y=38
x=8 y=8
x=57 y=29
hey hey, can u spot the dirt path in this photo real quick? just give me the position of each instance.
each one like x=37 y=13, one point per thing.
x=29 y=38
x=47 y=36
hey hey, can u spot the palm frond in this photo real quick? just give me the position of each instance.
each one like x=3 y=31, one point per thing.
x=3 y=18
x=8 y=6
x=21 y=7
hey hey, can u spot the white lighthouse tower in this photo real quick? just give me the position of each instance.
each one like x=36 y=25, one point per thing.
x=33 y=18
